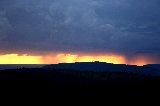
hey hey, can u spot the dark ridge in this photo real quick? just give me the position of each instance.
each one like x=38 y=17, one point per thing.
x=62 y=83
x=150 y=69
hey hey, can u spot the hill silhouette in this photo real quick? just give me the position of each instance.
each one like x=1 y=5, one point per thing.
x=51 y=81
x=151 y=69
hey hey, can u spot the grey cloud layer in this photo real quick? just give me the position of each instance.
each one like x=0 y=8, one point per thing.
x=126 y=26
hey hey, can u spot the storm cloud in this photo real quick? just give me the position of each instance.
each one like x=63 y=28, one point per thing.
x=121 y=26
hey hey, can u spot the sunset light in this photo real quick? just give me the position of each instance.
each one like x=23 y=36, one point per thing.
x=69 y=58
x=19 y=59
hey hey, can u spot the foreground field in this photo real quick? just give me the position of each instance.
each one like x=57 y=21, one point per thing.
x=69 y=83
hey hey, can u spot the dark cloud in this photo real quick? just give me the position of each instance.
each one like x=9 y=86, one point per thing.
x=124 y=26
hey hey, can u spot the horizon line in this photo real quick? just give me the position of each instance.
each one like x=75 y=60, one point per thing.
x=80 y=62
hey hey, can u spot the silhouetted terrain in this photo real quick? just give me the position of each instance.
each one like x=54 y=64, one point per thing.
x=61 y=83
x=151 y=69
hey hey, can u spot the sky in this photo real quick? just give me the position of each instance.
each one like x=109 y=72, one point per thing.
x=53 y=31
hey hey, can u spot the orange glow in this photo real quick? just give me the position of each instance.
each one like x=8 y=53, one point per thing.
x=71 y=58
x=108 y=58
x=140 y=63
x=19 y=59
x=141 y=60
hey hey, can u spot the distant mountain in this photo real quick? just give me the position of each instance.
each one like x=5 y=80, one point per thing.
x=103 y=67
